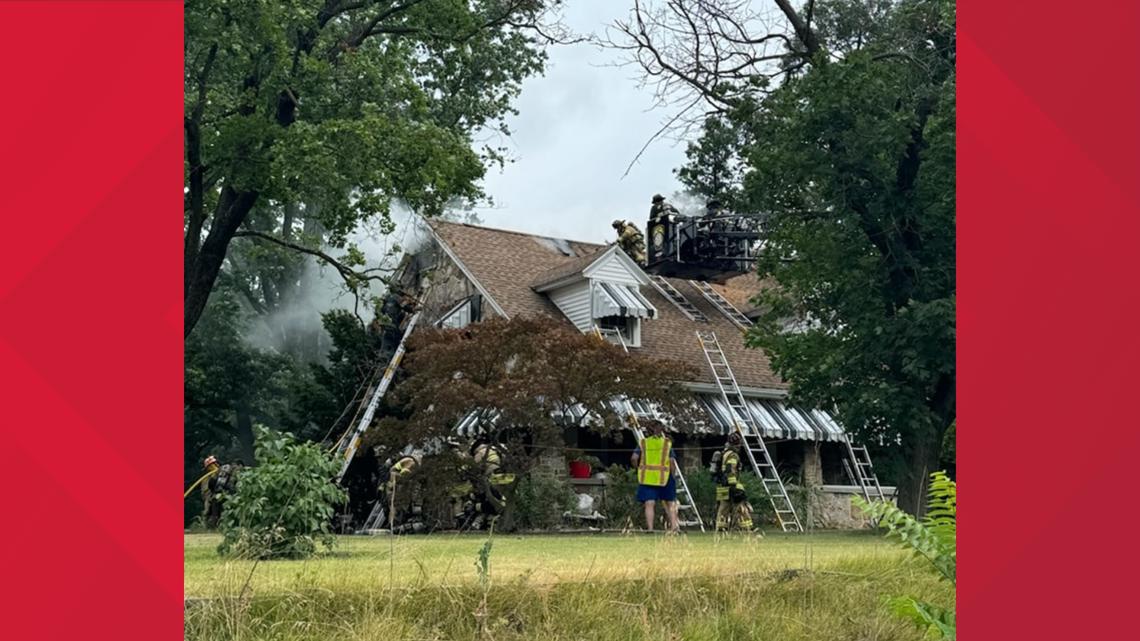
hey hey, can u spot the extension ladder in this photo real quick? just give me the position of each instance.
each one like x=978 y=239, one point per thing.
x=677 y=298
x=375 y=518
x=721 y=303
x=347 y=445
x=688 y=504
x=864 y=472
x=750 y=433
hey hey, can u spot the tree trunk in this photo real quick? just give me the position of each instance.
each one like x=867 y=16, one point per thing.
x=233 y=207
x=922 y=459
x=245 y=433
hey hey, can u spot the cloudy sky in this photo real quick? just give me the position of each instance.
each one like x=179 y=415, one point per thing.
x=578 y=128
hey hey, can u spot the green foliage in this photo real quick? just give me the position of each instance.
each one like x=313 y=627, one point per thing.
x=621 y=496
x=283 y=506
x=325 y=113
x=539 y=501
x=483 y=563
x=853 y=158
x=933 y=538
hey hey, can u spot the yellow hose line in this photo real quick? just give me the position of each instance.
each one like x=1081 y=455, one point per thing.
x=196 y=483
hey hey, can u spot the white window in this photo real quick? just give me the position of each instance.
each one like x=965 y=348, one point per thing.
x=627 y=326
x=459 y=316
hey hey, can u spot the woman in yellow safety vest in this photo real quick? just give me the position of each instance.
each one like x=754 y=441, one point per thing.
x=656 y=465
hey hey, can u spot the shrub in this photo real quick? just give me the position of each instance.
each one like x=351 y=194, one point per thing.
x=621 y=496
x=282 y=507
x=933 y=538
x=539 y=501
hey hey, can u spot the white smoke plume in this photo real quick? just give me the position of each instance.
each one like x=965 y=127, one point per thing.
x=296 y=327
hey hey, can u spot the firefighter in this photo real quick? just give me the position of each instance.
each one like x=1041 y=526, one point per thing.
x=403 y=496
x=732 y=507
x=221 y=484
x=656 y=465
x=661 y=210
x=631 y=240
x=489 y=484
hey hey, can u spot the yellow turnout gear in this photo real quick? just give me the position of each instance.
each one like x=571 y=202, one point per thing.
x=653 y=463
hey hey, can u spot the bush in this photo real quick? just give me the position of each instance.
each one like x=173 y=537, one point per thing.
x=282 y=507
x=934 y=538
x=539 y=501
x=621 y=496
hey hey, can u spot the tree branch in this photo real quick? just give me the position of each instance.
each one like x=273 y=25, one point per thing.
x=351 y=276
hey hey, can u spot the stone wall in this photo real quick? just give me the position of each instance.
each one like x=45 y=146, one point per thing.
x=832 y=508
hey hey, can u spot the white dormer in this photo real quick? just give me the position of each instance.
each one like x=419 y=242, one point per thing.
x=602 y=289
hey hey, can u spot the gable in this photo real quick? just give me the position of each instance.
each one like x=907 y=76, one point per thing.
x=616 y=267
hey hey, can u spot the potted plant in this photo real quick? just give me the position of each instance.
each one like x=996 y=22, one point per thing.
x=580 y=463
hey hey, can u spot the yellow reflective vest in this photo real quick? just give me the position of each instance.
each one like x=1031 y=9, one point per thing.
x=653 y=462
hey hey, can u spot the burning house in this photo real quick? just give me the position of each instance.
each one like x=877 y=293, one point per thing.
x=467 y=273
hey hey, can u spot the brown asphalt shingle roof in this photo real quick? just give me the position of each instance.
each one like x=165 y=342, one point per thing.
x=508 y=264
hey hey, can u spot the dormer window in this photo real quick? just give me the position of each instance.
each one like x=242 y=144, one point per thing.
x=628 y=328
x=600 y=290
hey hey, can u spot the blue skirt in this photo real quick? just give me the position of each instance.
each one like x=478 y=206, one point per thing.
x=668 y=492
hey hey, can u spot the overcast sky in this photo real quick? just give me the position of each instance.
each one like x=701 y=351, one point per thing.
x=578 y=128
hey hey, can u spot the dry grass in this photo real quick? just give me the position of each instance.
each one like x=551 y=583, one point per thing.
x=818 y=586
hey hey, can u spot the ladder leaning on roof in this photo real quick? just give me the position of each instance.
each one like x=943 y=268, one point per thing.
x=347 y=445
x=864 y=472
x=750 y=433
x=721 y=303
x=662 y=285
x=688 y=505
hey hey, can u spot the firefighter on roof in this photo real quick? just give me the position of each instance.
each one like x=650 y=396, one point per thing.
x=732 y=507
x=631 y=240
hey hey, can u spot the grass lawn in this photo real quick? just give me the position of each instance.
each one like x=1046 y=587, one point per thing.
x=816 y=586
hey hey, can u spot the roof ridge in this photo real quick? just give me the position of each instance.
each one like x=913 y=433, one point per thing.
x=434 y=221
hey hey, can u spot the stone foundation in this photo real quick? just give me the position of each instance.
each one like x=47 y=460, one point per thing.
x=833 y=509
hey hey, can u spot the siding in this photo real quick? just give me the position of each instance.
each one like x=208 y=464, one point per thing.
x=574 y=301
x=611 y=269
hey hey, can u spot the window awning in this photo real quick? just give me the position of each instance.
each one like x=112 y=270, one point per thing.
x=776 y=419
x=611 y=299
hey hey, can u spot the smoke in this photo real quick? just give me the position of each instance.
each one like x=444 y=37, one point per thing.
x=295 y=327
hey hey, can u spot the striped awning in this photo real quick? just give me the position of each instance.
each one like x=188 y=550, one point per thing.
x=611 y=299
x=776 y=419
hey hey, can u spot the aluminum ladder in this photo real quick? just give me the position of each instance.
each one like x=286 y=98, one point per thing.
x=662 y=285
x=376 y=518
x=721 y=303
x=750 y=433
x=347 y=445
x=863 y=472
x=688 y=505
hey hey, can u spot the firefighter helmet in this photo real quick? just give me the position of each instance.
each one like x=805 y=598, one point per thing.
x=210 y=461
x=658 y=198
x=618 y=223
x=734 y=439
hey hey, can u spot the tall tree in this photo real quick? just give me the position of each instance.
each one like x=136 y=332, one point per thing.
x=845 y=122
x=335 y=108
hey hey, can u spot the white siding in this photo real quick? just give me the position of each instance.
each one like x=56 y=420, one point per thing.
x=613 y=270
x=574 y=301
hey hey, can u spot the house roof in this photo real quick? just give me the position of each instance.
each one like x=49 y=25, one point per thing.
x=508 y=264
